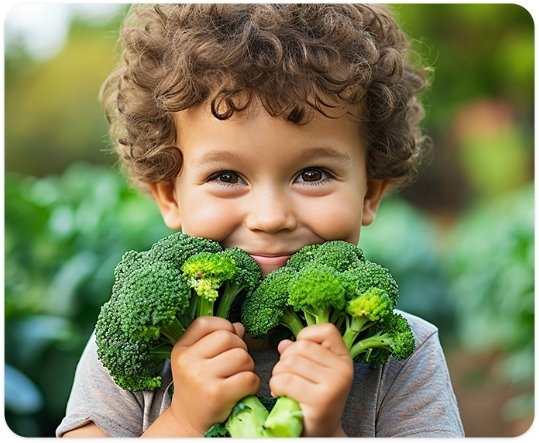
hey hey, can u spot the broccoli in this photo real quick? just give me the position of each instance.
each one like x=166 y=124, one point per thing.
x=329 y=282
x=217 y=278
x=158 y=293
x=333 y=282
x=255 y=416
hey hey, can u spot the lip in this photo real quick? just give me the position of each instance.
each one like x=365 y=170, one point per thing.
x=270 y=260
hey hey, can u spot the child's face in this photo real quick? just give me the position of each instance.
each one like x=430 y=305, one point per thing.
x=269 y=186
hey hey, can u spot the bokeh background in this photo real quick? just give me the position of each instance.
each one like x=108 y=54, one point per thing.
x=460 y=240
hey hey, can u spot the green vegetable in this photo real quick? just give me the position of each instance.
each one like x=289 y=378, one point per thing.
x=255 y=416
x=329 y=282
x=333 y=282
x=158 y=293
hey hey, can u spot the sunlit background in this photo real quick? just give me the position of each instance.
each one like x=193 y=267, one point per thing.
x=459 y=241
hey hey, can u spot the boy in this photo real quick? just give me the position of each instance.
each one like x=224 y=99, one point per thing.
x=268 y=127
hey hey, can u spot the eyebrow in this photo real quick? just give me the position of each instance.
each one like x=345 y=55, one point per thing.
x=213 y=156
x=325 y=152
x=317 y=152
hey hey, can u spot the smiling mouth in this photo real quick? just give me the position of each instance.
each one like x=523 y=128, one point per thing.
x=274 y=260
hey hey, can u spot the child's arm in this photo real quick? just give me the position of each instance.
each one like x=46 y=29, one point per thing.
x=317 y=371
x=212 y=370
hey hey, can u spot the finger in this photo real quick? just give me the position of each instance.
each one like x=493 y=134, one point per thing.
x=242 y=384
x=219 y=342
x=283 y=344
x=310 y=351
x=240 y=329
x=203 y=326
x=325 y=334
x=230 y=362
x=292 y=385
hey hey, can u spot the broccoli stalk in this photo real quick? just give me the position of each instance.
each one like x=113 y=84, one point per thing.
x=255 y=416
x=285 y=419
x=247 y=418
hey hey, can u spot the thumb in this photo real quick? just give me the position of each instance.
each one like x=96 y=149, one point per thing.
x=283 y=344
x=240 y=329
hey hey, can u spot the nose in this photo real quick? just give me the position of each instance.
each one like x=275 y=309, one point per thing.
x=270 y=212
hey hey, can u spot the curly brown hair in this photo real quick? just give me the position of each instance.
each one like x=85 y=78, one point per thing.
x=294 y=59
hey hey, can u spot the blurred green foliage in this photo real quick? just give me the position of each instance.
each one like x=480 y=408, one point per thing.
x=489 y=261
x=477 y=50
x=53 y=117
x=63 y=237
x=404 y=240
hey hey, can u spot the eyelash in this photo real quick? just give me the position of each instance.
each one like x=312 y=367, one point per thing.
x=328 y=176
x=215 y=177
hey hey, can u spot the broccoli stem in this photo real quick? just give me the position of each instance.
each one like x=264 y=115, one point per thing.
x=247 y=418
x=291 y=320
x=354 y=325
x=162 y=350
x=375 y=341
x=231 y=290
x=173 y=331
x=285 y=419
x=205 y=307
x=316 y=316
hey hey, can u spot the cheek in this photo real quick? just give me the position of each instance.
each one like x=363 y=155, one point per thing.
x=339 y=221
x=209 y=221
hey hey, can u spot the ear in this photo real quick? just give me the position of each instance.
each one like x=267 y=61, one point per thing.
x=373 y=197
x=165 y=197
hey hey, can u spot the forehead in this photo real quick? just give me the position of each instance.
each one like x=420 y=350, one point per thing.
x=200 y=134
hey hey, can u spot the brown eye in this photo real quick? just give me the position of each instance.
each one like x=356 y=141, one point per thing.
x=228 y=177
x=312 y=175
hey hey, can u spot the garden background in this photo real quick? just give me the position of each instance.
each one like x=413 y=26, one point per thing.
x=459 y=241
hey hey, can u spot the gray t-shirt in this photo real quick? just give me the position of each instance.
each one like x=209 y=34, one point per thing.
x=411 y=398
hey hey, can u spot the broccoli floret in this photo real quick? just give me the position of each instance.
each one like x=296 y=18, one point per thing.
x=338 y=254
x=317 y=290
x=218 y=278
x=331 y=282
x=363 y=311
x=267 y=306
x=372 y=275
x=130 y=362
x=246 y=279
x=178 y=247
x=151 y=301
x=392 y=336
x=154 y=299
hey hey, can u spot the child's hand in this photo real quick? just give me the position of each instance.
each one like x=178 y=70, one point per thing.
x=316 y=370
x=212 y=370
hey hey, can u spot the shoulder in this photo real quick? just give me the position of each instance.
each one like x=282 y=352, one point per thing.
x=420 y=383
x=96 y=398
x=423 y=330
x=428 y=349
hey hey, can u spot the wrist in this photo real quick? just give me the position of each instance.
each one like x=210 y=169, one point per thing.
x=168 y=424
